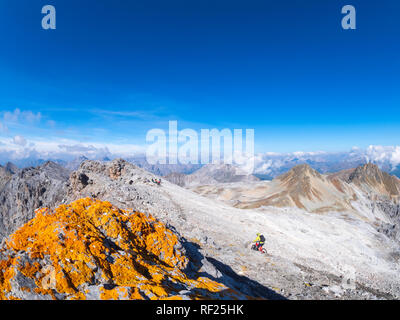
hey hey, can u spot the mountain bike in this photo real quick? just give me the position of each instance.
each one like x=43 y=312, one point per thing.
x=261 y=249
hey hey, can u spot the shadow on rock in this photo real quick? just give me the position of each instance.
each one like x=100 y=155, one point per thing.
x=201 y=266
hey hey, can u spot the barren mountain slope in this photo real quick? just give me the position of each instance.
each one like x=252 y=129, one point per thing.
x=300 y=187
x=179 y=179
x=374 y=181
x=308 y=252
x=211 y=174
x=27 y=190
x=5 y=176
x=305 y=188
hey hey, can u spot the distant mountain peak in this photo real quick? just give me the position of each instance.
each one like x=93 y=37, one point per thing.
x=367 y=170
x=82 y=158
x=74 y=164
x=11 y=168
x=370 y=175
x=299 y=172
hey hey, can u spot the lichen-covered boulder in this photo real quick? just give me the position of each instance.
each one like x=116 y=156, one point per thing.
x=90 y=249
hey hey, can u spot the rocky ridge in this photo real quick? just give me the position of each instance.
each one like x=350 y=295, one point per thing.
x=27 y=190
x=5 y=174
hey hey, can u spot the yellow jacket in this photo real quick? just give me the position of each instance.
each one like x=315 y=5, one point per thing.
x=258 y=239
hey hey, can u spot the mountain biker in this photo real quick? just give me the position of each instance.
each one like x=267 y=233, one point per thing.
x=260 y=240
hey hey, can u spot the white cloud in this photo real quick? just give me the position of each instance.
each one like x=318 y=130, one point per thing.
x=19 y=148
x=89 y=151
x=3 y=128
x=19 y=140
x=382 y=154
x=386 y=157
x=17 y=116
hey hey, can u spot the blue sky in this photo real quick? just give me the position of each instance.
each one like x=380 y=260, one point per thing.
x=114 y=69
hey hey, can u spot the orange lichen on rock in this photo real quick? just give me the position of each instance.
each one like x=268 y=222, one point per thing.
x=92 y=250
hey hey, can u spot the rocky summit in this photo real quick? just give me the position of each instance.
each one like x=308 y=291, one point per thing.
x=92 y=250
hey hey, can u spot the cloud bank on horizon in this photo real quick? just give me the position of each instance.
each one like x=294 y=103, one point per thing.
x=24 y=151
x=50 y=143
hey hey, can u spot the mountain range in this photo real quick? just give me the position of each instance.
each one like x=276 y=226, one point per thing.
x=266 y=165
x=305 y=188
x=323 y=231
